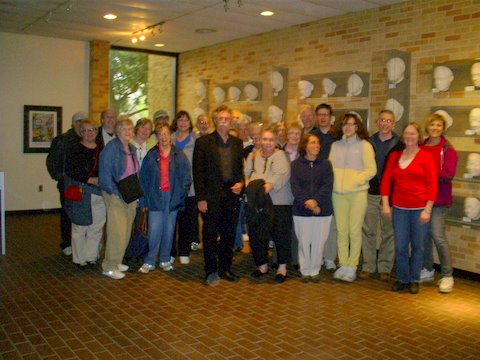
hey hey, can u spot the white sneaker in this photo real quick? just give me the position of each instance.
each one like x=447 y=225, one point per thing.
x=194 y=246
x=166 y=266
x=445 y=285
x=122 y=267
x=271 y=244
x=114 y=274
x=67 y=251
x=184 y=260
x=329 y=264
x=146 y=268
x=350 y=274
x=427 y=276
x=340 y=273
x=172 y=259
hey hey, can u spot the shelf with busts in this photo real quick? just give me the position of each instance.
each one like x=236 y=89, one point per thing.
x=347 y=85
x=464 y=212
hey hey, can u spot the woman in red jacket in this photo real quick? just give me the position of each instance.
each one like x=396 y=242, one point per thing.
x=409 y=189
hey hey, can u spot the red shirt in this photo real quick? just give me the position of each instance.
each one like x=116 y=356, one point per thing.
x=413 y=186
x=163 y=165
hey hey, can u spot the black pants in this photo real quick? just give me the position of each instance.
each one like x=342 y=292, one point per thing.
x=220 y=220
x=65 y=223
x=187 y=222
x=280 y=234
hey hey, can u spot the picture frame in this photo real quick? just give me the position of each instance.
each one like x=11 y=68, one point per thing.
x=41 y=124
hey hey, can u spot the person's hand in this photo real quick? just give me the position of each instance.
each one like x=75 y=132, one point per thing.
x=268 y=187
x=316 y=210
x=310 y=204
x=202 y=206
x=93 y=181
x=237 y=188
x=386 y=211
x=424 y=217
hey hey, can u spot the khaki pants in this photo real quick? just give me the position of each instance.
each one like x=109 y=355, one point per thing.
x=120 y=218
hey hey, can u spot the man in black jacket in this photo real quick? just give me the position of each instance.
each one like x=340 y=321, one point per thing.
x=59 y=149
x=218 y=180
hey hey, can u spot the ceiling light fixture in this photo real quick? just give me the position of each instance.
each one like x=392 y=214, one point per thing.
x=47 y=16
x=110 y=16
x=159 y=45
x=226 y=2
x=267 y=13
x=140 y=35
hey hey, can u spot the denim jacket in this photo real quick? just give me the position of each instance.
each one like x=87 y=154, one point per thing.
x=180 y=180
x=112 y=166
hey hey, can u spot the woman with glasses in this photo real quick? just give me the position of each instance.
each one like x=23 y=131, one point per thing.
x=271 y=166
x=88 y=215
x=353 y=161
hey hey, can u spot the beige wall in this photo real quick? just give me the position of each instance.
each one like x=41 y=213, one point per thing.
x=431 y=31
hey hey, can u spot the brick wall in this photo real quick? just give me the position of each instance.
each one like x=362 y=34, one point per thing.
x=431 y=31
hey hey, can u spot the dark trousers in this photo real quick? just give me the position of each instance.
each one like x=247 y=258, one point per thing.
x=187 y=222
x=65 y=223
x=220 y=220
x=280 y=234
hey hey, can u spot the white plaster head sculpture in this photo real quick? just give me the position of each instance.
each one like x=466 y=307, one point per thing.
x=473 y=164
x=472 y=208
x=442 y=77
x=275 y=114
x=474 y=119
x=251 y=92
x=218 y=94
x=277 y=83
x=395 y=70
x=305 y=89
x=354 y=85
x=475 y=72
x=234 y=93
x=328 y=86
x=394 y=106
x=200 y=91
x=197 y=112
x=446 y=116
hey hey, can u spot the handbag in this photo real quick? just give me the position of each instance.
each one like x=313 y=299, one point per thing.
x=73 y=193
x=130 y=188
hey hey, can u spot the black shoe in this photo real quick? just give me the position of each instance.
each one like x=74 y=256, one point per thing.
x=296 y=267
x=274 y=266
x=399 y=286
x=229 y=276
x=414 y=288
x=306 y=279
x=280 y=278
x=258 y=274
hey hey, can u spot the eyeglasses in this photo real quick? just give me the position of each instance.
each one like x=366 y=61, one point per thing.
x=89 y=130
x=383 y=120
x=223 y=118
x=203 y=122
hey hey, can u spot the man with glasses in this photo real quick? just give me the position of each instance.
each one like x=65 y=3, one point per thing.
x=218 y=179
x=384 y=141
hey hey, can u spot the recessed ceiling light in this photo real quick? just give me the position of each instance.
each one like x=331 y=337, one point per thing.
x=205 y=31
x=110 y=16
x=267 y=13
x=159 y=45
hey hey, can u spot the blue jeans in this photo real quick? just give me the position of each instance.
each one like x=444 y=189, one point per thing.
x=161 y=227
x=437 y=234
x=409 y=242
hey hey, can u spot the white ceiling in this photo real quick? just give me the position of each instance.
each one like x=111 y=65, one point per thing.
x=83 y=19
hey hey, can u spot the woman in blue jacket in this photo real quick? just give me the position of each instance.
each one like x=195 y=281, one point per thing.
x=165 y=179
x=312 y=185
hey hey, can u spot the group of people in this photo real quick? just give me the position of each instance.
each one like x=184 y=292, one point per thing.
x=312 y=190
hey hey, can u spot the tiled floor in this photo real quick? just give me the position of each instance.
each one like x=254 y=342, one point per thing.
x=51 y=310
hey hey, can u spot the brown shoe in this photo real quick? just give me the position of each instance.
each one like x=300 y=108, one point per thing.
x=384 y=276
x=365 y=275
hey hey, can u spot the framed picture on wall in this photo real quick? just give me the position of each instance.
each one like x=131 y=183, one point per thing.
x=40 y=125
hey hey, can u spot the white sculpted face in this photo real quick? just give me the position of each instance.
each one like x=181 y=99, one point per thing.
x=251 y=92
x=275 y=114
x=475 y=72
x=395 y=70
x=200 y=91
x=474 y=119
x=305 y=88
x=442 y=77
x=328 y=86
x=446 y=116
x=277 y=82
x=218 y=95
x=354 y=85
x=473 y=164
x=397 y=108
x=234 y=93
x=472 y=208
